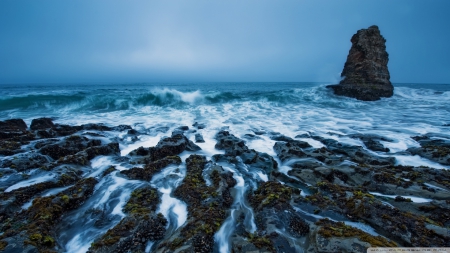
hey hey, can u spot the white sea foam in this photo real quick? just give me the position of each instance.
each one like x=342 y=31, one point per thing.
x=418 y=161
x=144 y=141
x=77 y=244
x=165 y=181
x=413 y=199
x=222 y=236
x=364 y=227
x=31 y=181
x=172 y=205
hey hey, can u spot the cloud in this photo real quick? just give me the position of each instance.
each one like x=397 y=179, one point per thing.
x=253 y=40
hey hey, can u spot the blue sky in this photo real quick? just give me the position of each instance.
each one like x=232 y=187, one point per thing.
x=209 y=40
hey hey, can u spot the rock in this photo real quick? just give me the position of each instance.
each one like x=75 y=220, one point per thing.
x=12 y=128
x=167 y=146
x=372 y=141
x=14 y=125
x=366 y=75
x=41 y=123
x=291 y=149
x=199 y=125
x=38 y=222
x=151 y=168
x=199 y=138
x=437 y=150
x=235 y=147
x=134 y=231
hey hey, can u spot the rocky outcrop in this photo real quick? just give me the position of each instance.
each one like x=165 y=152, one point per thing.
x=366 y=75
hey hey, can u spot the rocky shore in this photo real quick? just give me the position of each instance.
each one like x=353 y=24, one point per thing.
x=337 y=198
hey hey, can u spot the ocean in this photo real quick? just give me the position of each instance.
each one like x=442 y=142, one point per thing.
x=250 y=111
x=288 y=108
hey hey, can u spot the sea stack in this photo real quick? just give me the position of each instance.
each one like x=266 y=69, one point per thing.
x=366 y=75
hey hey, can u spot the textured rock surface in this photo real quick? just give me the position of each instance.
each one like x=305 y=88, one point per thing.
x=366 y=75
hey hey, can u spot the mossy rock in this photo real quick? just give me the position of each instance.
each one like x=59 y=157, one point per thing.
x=340 y=229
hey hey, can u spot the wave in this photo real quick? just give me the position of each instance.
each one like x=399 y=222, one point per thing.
x=117 y=98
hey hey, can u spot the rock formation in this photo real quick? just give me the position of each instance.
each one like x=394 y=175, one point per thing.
x=366 y=75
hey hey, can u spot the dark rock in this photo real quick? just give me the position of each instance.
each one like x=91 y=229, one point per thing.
x=132 y=132
x=134 y=231
x=151 y=169
x=372 y=141
x=38 y=222
x=23 y=162
x=355 y=153
x=69 y=146
x=199 y=125
x=166 y=147
x=41 y=123
x=437 y=150
x=12 y=128
x=97 y=127
x=13 y=125
x=83 y=157
x=235 y=147
x=257 y=132
x=206 y=204
x=172 y=146
x=365 y=75
x=121 y=128
x=199 y=138
x=291 y=149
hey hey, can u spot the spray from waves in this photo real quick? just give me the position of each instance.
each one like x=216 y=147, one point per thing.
x=428 y=94
x=141 y=99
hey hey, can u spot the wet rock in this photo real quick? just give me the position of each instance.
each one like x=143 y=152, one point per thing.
x=271 y=203
x=17 y=244
x=23 y=162
x=12 y=201
x=132 y=132
x=13 y=125
x=207 y=206
x=338 y=237
x=437 y=150
x=121 y=128
x=167 y=146
x=402 y=226
x=366 y=75
x=199 y=138
x=151 y=168
x=372 y=141
x=232 y=145
x=12 y=128
x=140 y=226
x=83 y=157
x=98 y=127
x=9 y=147
x=172 y=146
x=39 y=221
x=68 y=146
x=41 y=123
x=235 y=147
x=199 y=125
x=356 y=154
x=290 y=149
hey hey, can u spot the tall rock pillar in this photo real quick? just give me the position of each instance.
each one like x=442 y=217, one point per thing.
x=366 y=75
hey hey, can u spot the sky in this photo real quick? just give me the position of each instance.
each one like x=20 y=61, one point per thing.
x=62 y=41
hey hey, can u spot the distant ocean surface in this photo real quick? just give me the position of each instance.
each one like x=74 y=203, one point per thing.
x=288 y=108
